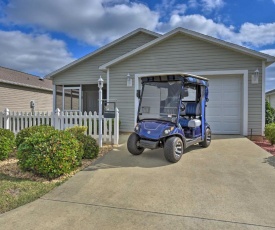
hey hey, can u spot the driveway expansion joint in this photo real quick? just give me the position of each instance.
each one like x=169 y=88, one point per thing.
x=158 y=213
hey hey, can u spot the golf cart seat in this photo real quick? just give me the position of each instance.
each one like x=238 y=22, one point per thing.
x=192 y=110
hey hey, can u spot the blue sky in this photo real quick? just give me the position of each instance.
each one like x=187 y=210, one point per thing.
x=41 y=36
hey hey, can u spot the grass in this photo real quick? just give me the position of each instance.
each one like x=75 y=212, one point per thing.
x=15 y=192
x=18 y=187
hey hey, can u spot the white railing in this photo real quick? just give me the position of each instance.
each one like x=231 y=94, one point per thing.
x=16 y=121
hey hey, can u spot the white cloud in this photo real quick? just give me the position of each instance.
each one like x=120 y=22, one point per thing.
x=270 y=71
x=37 y=54
x=206 y=5
x=198 y=23
x=257 y=35
x=170 y=7
x=274 y=1
x=95 y=22
x=210 y=5
x=269 y=51
x=249 y=34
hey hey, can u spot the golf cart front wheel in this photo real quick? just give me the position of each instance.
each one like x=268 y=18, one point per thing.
x=173 y=149
x=133 y=144
x=207 y=139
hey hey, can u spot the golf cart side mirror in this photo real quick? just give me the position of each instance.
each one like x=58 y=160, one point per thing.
x=184 y=93
x=138 y=93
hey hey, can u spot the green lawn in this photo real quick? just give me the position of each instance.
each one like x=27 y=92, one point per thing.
x=15 y=192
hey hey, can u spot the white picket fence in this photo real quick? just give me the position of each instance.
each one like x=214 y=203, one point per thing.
x=16 y=121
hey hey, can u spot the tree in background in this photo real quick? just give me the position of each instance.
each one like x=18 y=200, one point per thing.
x=269 y=113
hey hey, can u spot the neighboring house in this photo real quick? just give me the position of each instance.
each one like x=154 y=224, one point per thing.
x=17 y=89
x=236 y=106
x=270 y=97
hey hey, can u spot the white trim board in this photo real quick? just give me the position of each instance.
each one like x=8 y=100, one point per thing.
x=244 y=74
x=263 y=97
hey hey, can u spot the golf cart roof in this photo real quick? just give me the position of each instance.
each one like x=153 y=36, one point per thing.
x=175 y=74
x=191 y=78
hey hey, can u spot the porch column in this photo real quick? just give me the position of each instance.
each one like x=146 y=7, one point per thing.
x=54 y=97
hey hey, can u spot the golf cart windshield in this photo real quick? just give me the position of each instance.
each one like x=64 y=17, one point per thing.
x=160 y=100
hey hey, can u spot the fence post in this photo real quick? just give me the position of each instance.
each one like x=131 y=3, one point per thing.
x=6 y=118
x=57 y=119
x=116 y=127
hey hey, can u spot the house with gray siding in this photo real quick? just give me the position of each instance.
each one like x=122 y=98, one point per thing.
x=270 y=97
x=17 y=89
x=237 y=76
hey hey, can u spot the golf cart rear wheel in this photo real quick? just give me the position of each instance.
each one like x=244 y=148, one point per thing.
x=207 y=139
x=173 y=149
x=133 y=144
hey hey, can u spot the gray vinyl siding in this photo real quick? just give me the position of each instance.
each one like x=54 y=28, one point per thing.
x=17 y=98
x=87 y=72
x=184 y=54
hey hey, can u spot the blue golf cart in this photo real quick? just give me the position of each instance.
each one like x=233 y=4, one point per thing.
x=171 y=115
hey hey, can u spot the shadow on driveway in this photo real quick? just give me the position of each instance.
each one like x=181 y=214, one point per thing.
x=120 y=157
x=270 y=160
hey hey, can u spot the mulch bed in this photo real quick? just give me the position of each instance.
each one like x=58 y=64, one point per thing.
x=265 y=144
x=10 y=167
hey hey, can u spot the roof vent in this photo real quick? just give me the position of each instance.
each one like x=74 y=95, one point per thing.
x=41 y=79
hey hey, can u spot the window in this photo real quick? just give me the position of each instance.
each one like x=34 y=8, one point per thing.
x=71 y=99
x=191 y=94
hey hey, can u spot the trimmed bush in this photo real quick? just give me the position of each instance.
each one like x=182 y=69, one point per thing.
x=50 y=154
x=76 y=130
x=90 y=145
x=270 y=133
x=7 y=143
x=28 y=132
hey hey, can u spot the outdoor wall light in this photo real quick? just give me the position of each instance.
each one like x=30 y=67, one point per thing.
x=255 y=77
x=100 y=83
x=129 y=80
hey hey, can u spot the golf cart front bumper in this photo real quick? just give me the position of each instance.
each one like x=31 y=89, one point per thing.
x=149 y=144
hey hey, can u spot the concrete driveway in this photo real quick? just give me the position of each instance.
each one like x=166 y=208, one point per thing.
x=230 y=185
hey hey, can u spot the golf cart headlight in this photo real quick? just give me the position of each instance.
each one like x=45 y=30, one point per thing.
x=169 y=130
x=137 y=128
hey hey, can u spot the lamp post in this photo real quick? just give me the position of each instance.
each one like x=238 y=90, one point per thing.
x=100 y=86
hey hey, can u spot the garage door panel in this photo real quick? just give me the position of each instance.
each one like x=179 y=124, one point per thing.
x=224 y=107
x=231 y=113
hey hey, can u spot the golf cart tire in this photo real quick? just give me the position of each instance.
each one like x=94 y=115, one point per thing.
x=172 y=145
x=205 y=143
x=132 y=146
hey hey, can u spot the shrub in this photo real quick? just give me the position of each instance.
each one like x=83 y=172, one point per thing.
x=270 y=133
x=6 y=143
x=269 y=113
x=50 y=154
x=76 y=130
x=90 y=145
x=28 y=132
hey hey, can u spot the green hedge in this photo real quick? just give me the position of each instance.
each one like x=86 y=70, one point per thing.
x=50 y=154
x=90 y=146
x=28 y=132
x=270 y=133
x=7 y=143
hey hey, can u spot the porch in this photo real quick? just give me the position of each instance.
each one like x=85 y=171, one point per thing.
x=77 y=98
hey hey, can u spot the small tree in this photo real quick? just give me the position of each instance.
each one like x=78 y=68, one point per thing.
x=269 y=113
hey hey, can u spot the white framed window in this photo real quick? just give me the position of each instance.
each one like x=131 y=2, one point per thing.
x=71 y=98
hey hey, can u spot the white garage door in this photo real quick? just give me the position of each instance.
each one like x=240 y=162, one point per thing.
x=224 y=111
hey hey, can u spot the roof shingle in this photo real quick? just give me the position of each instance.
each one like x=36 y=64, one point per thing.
x=15 y=77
